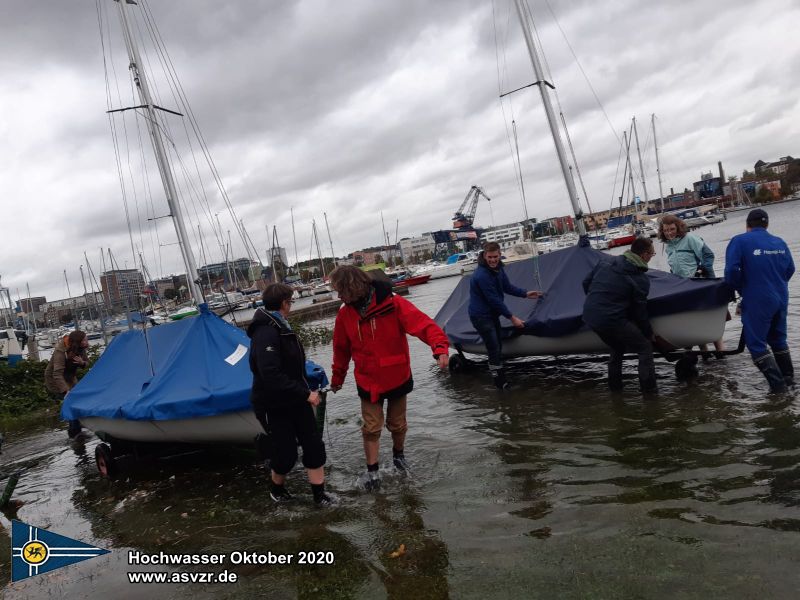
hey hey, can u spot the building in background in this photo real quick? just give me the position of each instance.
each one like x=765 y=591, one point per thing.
x=169 y=287
x=779 y=167
x=412 y=250
x=505 y=235
x=30 y=309
x=122 y=287
x=84 y=307
x=235 y=274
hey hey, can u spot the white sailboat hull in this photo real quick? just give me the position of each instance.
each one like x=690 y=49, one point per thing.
x=231 y=428
x=684 y=329
x=453 y=270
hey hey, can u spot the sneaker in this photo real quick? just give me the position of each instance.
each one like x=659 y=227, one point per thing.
x=370 y=481
x=400 y=462
x=280 y=494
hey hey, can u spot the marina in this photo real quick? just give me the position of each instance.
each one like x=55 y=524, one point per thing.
x=531 y=470
x=555 y=485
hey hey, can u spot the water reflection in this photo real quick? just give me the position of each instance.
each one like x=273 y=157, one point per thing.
x=216 y=503
x=556 y=489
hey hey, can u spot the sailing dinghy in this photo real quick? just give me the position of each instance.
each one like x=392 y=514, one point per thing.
x=182 y=382
x=685 y=312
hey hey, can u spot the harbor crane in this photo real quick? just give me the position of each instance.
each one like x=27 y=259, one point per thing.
x=465 y=214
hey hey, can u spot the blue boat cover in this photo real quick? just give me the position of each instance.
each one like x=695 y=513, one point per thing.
x=560 y=276
x=195 y=367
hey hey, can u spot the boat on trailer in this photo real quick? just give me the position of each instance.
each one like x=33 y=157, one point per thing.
x=185 y=382
x=684 y=312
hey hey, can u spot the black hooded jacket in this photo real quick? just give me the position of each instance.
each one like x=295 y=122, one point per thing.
x=616 y=292
x=278 y=363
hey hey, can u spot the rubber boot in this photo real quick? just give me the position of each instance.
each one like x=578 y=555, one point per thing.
x=500 y=380
x=74 y=428
x=769 y=367
x=784 y=361
x=648 y=386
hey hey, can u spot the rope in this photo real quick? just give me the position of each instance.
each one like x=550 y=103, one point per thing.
x=184 y=102
x=517 y=168
x=585 y=76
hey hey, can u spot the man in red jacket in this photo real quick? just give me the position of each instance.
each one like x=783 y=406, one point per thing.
x=371 y=329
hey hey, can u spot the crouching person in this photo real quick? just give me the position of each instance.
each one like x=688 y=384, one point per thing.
x=281 y=398
x=616 y=310
x=61 y=374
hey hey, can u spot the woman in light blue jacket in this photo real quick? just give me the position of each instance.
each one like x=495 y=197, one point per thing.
x=687 y=255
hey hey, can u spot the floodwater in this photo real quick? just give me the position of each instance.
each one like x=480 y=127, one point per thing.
x=556 y=489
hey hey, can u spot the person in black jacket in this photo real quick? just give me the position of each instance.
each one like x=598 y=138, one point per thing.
x=281 y=398
x=616 y=309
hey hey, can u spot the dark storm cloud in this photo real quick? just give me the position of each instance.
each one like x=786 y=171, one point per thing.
x=353 y=108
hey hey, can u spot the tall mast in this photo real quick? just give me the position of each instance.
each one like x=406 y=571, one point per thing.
x=4 y=293
x=315 y=235
x=521 y=181
x=658 y=165
x=330 y=241
x=385 y=243
x=294 y=236
x=641 y=166
x=85 y=292
x=161 y=155
x=94 y=298
x=542 y=84
x=30 y=305
x=205 y=259
x=627 y=140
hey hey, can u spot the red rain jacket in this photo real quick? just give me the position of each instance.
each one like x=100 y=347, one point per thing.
x=378 y=346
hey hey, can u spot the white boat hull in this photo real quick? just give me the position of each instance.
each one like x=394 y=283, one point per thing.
x=231 y=428
x=450 y=270
x=684 y=329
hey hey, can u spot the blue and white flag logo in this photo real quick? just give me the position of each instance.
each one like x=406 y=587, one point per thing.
x=35 y=551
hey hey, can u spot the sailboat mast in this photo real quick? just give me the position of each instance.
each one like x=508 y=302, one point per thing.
x=161 y=154
x=315 y=234
x=521 y=181
x=294 y=237
x=658 y=165
x=632 y=186
x=542 y=84
x=30 y=305
x=330 y=241
x=641 y=165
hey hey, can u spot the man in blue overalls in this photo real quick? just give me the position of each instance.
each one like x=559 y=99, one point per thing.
x=759 y=265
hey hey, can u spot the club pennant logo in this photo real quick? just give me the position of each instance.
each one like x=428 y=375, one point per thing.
x=35 y=551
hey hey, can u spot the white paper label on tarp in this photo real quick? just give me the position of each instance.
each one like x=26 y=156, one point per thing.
x=237 y=355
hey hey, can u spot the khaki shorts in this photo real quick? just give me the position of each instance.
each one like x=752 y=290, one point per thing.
x=372 y=415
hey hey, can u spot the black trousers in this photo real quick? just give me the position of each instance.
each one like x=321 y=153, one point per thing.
x=289 y=427
x=628 y=338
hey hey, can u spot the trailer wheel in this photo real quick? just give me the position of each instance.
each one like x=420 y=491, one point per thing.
x=106 y=464
x=685 y=368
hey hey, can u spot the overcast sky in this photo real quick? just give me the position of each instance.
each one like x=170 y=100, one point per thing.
x=355 y=106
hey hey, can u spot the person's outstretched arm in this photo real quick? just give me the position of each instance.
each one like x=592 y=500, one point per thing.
x=341 y=353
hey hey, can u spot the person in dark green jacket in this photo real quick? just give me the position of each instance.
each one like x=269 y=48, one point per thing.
x=616 y=310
